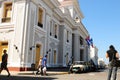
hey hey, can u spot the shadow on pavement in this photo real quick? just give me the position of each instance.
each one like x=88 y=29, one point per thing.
x=4 y=77
x=25 y=73
x=48 y=73
x=96 y=71
x=100 y=70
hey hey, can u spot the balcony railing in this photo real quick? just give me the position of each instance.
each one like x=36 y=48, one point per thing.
x=50 y=33
x=6 y=19
x=40 y=25
x=67 y=40
x=55 y=36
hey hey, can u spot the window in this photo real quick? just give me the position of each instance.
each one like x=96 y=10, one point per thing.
x=50 y=28
x=55 y=30
x=67 y=36
x=81 y=55
x=40 y=16
x=7 y=12
x=4 y=44
x=81 y=40
x=55 y=57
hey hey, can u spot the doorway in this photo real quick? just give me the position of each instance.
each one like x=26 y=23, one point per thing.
x=3 y=46
x=38 y=54
x=81 y=55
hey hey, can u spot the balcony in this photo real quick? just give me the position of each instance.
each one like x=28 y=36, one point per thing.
x=55 y=36
x=67 y=40
x=40 y=25
x=50 y=34
x=6 y=19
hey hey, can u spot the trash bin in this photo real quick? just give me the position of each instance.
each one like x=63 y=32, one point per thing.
x=33 y=67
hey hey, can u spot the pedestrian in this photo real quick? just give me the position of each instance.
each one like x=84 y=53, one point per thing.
x=44 y=64
x=39 y=68
x=4 y=62
x=112 y=54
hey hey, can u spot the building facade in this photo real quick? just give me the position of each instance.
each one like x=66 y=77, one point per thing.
x=31 y=28
x=80 y=49
x=94 y=55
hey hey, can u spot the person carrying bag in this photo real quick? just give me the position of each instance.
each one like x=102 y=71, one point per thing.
x=114 y=62
x=39 y=68
x=113 y=55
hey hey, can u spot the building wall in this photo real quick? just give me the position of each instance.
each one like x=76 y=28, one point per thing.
x=27 y=41
x=66 y=44
x=70 y=8
x=16 y=27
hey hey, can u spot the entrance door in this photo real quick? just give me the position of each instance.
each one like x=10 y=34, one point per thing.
x=38 y=48
x=3 y=46
x=81 y=54
x=54 y=57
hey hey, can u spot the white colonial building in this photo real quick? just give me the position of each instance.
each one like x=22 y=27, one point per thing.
x=94 y=55
x=30 y=28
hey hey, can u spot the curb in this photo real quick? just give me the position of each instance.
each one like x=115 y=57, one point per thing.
x=31 y=73
x=57 y=73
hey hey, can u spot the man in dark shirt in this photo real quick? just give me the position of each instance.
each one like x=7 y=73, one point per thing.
x=112 y=54
x=4 y=62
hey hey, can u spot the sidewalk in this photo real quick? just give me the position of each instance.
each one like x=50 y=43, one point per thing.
x=29 y=75
x=32 y=73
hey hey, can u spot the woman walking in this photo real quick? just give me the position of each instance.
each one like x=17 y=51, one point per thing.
x=112 y=54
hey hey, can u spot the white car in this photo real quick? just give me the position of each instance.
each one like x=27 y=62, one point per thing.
x=79 y=66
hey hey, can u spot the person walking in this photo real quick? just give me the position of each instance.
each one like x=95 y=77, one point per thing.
x=112 y=54
x=39 y=68
x=4 y=62
x=44 y=64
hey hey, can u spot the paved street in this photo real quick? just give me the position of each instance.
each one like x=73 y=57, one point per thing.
x=99 y=75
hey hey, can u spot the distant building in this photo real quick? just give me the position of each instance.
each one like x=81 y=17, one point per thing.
x=101 y=63
x=94 y=54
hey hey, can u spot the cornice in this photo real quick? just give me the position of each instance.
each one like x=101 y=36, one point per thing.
x=68 y=20
x=55 y=2
x=52 y=3
x=58 y=13
x=82 y=28
x=66 y=3
x=77 y=8
x=49 y=4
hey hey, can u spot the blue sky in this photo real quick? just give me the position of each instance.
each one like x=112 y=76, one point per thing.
x=102 y=20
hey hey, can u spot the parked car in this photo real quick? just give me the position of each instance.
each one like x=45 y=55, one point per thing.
x=78 y=66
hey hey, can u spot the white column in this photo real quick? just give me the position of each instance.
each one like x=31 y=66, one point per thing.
x=76 y=48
